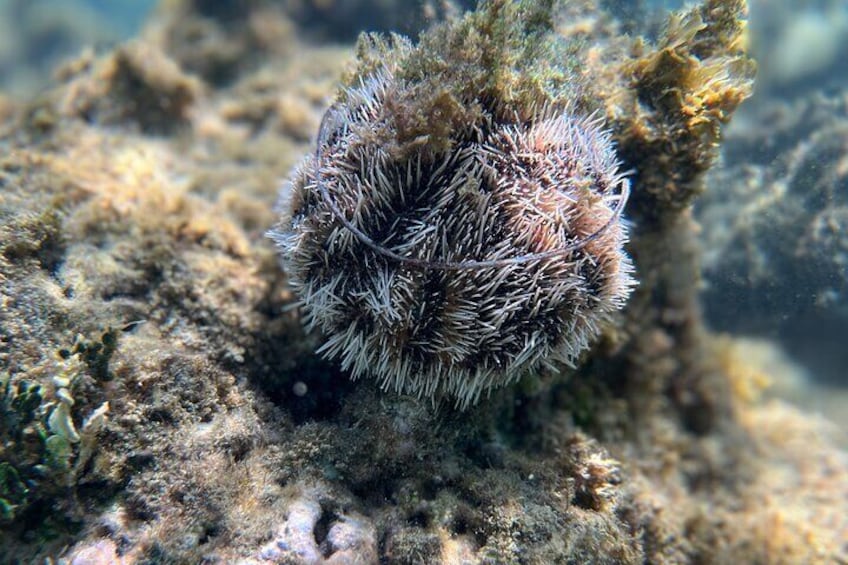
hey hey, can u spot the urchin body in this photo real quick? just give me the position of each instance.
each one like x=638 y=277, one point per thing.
x=456 y=272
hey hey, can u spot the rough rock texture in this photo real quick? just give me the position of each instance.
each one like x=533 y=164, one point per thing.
x=182 y=417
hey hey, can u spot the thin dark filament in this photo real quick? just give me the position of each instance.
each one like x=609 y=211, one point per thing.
x=457 y=265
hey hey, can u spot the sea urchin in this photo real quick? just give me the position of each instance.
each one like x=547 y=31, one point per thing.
x=455 y=272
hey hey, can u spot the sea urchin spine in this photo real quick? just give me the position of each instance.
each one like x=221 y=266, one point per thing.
x=455 y=272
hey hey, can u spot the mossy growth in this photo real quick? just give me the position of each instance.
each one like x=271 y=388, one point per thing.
x=502 y=62
x=30 y=237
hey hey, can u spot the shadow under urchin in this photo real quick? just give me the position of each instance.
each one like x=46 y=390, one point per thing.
x=450 y=273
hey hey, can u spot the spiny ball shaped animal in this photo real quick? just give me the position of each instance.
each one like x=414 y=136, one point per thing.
x=451 y=273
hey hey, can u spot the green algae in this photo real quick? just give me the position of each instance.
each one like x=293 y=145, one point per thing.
x=95 y=353
x=41 y=446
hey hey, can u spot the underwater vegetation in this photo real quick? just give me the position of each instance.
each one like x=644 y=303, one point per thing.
x=136 y=193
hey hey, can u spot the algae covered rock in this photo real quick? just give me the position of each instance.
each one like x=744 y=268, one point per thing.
x=211 y=431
